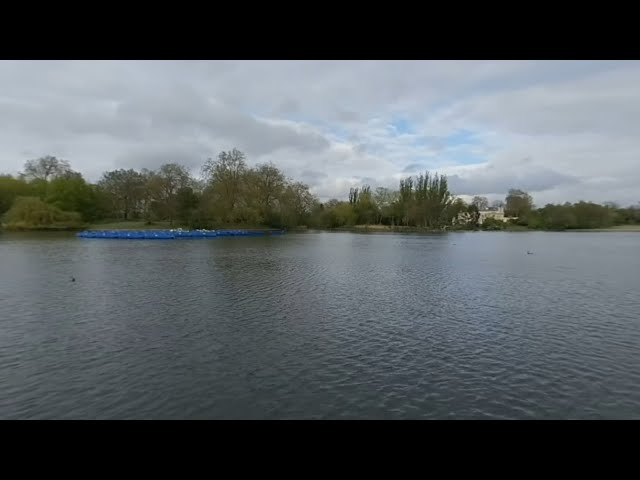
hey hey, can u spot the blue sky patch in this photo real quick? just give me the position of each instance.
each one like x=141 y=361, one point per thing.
x=402 y=126
x=462 y=137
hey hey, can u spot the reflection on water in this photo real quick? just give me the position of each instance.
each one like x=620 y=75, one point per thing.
x=326 y=325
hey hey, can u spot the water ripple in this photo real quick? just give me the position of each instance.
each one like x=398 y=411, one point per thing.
x=322 y=326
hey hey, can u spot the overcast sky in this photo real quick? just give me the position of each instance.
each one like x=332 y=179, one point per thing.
x=562 y=130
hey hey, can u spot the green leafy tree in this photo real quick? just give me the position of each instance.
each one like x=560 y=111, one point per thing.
x=10 y=188
x=187 y=203
x=226 y=178
x=296 y=204
x=364 y=207
x=518 y=203
x=71 y=193
x=265 y=186
x=169 y=180
x=343 y=215
x=126 y=191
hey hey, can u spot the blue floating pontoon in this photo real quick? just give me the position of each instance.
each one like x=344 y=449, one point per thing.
x=172 y=234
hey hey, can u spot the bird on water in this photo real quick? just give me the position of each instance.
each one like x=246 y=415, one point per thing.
x=73 y=279
x=529 y=253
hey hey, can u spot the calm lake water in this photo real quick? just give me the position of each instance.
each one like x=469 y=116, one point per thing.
x=322 y=325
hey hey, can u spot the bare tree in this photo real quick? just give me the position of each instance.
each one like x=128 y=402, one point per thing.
x=481 y=202
x=46 y=168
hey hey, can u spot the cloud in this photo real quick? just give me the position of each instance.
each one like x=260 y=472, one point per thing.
x=288 y=106
x=337 y=124
x=312 y=176
x=347 y=116
x=488 y=181
x=191 y=155
x=413 y=168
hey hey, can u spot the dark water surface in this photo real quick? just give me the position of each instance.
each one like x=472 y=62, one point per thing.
x=325 y=325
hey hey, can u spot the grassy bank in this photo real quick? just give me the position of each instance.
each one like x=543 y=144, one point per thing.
x=515 y=228
x=405 y=229
x=20 y=227
x=130 y=225
x=141 y=225
x=520 y=228
x=382 y=229
x=502 y=228
x=617 y=228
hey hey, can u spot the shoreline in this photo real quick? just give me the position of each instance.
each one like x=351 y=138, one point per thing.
x=509 y=229
x=115 y=226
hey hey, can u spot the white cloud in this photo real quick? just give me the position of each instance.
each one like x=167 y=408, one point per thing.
x=555 y=128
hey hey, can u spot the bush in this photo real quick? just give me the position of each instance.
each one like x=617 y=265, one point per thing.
x=32 y=213
x=493 y=224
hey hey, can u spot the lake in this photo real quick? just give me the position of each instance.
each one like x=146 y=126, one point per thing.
x=321 y=326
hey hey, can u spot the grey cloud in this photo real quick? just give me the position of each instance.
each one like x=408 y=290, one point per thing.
x=354 y=139
x=491 y=180
x=347 y=116
x=435 y=142
x=58 y=118
x=573 y=118
x=608 y=101
x=623 y=195
x=362 y=148
x=367 y=180
x=189 y=114
x=288 y=106
x=313 y=175
x=153 y=156
x=413 y=167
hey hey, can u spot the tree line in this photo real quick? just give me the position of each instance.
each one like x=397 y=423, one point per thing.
x=48 y=193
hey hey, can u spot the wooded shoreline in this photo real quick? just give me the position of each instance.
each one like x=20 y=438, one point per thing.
x=50 y=196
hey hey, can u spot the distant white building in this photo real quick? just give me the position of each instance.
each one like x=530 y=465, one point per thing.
x=495 y=213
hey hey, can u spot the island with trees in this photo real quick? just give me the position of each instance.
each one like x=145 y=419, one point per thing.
x=50 y=195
